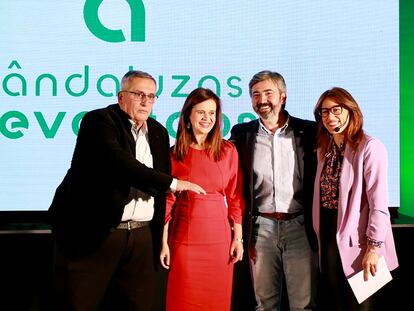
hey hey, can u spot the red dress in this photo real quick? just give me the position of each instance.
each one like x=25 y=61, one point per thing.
x=201 y=274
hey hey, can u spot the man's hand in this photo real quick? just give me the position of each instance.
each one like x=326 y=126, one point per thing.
x=183 y=185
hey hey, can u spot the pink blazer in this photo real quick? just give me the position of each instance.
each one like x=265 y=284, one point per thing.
x=363 y=205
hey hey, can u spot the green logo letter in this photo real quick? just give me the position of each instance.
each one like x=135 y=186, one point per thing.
x=90 y=14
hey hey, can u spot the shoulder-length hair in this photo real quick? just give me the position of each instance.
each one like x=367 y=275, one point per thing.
x=353 y=132
x=185 y=135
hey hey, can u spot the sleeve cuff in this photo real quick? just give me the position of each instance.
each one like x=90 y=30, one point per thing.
x=173 y=186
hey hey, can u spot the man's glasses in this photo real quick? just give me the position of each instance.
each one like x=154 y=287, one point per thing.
x=141 y=96
x=335 y=110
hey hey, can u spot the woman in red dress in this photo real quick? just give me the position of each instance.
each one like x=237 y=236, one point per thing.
x=203 y=233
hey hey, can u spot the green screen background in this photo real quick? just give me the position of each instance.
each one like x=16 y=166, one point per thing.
x=406 y=107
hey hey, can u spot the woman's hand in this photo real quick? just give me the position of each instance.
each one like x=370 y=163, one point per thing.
x=370 y=261
x=236 y=250
x=236 y=247
x=165 y=256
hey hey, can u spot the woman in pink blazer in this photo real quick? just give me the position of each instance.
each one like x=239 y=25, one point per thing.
x=350 y=202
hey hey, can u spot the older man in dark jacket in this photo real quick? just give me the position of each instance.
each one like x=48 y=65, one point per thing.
x=108 y=213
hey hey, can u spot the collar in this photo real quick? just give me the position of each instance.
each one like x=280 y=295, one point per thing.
x=279 y=131
x=143 y=129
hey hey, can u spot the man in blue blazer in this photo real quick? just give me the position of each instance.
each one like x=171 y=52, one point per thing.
x=108 y=213
x=278 y=162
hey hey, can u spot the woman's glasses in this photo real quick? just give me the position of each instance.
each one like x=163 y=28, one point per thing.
x=335 y=110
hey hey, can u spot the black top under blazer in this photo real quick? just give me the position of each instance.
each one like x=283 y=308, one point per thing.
x=90 y=201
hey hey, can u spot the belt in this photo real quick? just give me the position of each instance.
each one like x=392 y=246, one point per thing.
x=132 y=224
x=281 y=216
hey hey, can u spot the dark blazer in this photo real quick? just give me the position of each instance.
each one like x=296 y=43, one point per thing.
x=91 y=198
x=243 y=135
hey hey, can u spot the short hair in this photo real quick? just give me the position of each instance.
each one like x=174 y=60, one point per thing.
x=353 y=133
x=133 y=74
x=264 y=75
x=185 y=135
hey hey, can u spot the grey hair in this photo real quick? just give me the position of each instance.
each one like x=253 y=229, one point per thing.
x=132 y=74
x=264 y=75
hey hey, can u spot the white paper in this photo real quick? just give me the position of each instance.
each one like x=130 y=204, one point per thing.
x=363 y=289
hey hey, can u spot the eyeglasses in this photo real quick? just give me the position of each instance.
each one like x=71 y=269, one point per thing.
x=335 y=110
x=140 y=96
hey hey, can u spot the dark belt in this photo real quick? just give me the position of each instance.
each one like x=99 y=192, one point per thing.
x=281 y=216
x=132 y=224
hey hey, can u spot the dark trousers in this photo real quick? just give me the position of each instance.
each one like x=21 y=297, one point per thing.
x=336 y=293
x=120 y=275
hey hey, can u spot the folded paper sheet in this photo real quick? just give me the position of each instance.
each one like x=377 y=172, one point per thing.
x=363 y=289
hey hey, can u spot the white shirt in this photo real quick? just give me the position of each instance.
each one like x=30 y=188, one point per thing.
x=141 y=205
x=277 y=179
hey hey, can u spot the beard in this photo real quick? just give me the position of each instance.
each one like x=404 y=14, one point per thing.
x=264 y=110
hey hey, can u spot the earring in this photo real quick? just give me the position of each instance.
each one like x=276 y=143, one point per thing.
x=188 y=125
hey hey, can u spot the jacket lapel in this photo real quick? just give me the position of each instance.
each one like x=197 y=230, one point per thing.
x=154 y=140
x=251 y=135
x=345 y=183
x=124 y=119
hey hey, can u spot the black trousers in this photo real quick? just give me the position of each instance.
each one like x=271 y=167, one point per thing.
x=120 y=275
x=336 y=293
